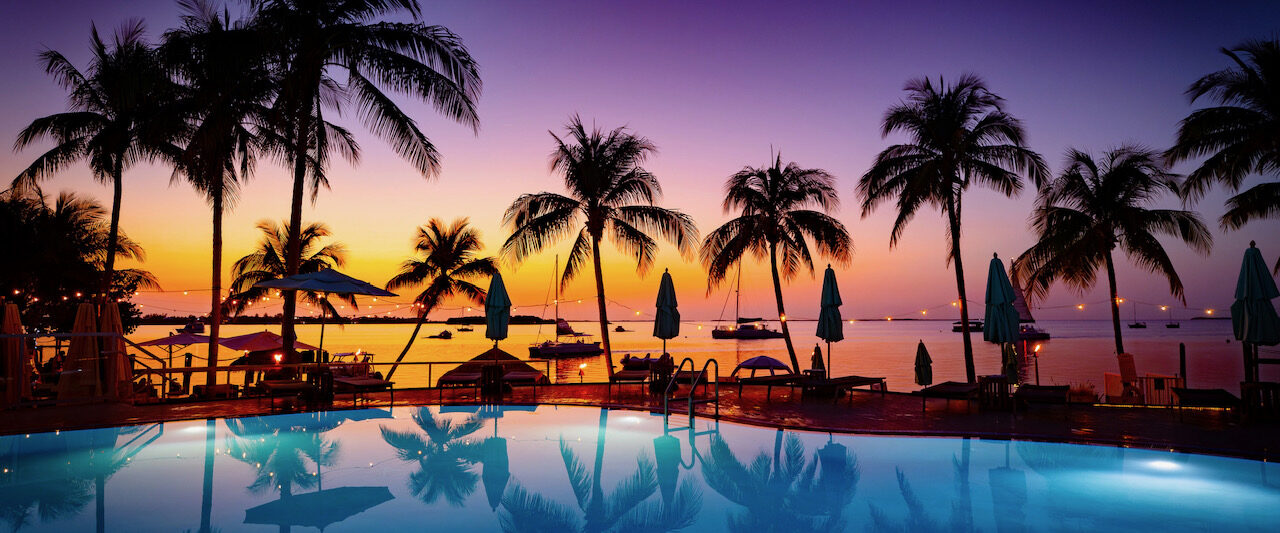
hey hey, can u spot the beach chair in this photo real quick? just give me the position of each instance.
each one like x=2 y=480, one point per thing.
x=1130 y=392
x=458 y=380
x=835 y=386
x=284 y=388
x=769 y=382
x=621 y=377
x=951 y=390
x=1043 y=394
x=516 y=378
x=358 y=386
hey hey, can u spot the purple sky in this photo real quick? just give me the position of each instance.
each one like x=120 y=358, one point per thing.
x=715 y=86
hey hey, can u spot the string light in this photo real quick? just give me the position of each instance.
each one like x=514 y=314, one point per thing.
x=1080 y=307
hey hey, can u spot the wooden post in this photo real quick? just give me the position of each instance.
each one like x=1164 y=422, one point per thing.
x=186 y=376
x=1182 y=363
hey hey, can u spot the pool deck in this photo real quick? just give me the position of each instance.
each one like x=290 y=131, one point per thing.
x=1191 y=430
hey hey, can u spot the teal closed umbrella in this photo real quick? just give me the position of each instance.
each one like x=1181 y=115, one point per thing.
x=666 y=321
x=497 y=310
x=924 y=366
x=830 y=325
x=1253 y=316
x=1000 y=323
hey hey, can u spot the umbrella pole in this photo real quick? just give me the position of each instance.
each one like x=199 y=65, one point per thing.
x=829 y=359
x=324 y=311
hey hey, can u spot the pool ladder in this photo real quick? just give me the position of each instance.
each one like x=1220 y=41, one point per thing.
x=698 y=378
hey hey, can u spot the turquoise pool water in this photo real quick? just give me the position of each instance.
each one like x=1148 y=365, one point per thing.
x=549 y=469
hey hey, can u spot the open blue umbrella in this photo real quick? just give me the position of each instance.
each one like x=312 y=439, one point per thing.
x=497 y=310
x=666 y=321
x=830 y=325
x=1253 y=316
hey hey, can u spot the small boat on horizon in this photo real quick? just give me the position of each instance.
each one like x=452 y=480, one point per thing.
x=974 y=325
x=1173 y=325
x=744 y=328
x=466 y=328
x=621 y=329
x=442 y=335
x=551 y=349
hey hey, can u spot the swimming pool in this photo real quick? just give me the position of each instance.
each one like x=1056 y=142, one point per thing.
x=554 y=469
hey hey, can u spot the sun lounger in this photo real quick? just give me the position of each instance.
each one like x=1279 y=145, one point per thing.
x=834 y=386
x=777 y=380
x=620 y=377
x=457 y=380
x=359 y=385
x=951 y=390
x=1043 y=394
x=284 y=388
x=524 y=377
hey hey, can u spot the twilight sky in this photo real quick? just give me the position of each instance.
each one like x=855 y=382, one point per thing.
x=716 y=85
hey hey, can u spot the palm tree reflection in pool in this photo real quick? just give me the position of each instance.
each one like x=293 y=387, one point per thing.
x=917 y=517
x=624 y=509
x=444 y=455
x=784 y=492
x=281 y=456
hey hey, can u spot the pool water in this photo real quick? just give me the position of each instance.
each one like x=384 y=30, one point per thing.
x=557 y=469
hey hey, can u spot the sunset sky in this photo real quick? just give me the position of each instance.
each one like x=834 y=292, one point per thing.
x=715 y=86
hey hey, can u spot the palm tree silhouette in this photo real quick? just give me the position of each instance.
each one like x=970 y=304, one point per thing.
x=960 y=135
x=446 y=261
x=443 y=454
x=783 y=492
x=608 y=192
x=116 y=119
x=221 y=65
x=42 y=486
x=1097 y=206
x=316 y=40
x=267 y=262
x=625 y=508
x=1238 y=134
x=779 y=207
x=284 y=459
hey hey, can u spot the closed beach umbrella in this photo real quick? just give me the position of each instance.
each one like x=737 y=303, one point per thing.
x=924 y=366
x=666 y=321
x=815 y=362
x=1000 y=322
x=497 y=310
x=830 y=325
x=80 y=368
x=1253 y=316
x=327 y=281
x=14 y=362
x=117 y=368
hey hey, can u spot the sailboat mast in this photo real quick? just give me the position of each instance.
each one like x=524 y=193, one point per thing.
x=737 y=297
x=556 y=270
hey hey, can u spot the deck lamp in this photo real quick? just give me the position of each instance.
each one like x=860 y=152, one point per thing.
x=1036 y=355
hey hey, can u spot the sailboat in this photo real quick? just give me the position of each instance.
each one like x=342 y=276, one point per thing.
x=554 y=348
x=1026 y=328
x=1135 y=324
x=743 y=327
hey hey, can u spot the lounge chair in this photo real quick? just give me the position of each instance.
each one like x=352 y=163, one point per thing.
x=1044 y=394
x=776 y=380
x=951 y=390
x=637 y=376
x=533 y=378
x=458 y=380
x=284 y=388
x=358 y=386
x=834 y=386
x=1217 y=398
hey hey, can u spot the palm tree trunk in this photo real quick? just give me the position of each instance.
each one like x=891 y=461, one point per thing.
x=422 y=317
x=293 y=251
x=215 y=300
x=954 y=219
x=782 y=312
x=604 y=317
x=206 y=492
x=113 y=233
x=1115 y=303
x=100 y=500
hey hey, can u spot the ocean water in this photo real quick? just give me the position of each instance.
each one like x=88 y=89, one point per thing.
x=1079 y=352
x=564 y=469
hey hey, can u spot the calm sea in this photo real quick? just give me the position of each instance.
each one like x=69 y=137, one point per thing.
x=1079 y=352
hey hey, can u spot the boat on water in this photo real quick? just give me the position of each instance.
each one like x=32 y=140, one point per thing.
x=551 y=349
x=621 y=329
x=744 y=328
x=1026 y=327
x=1173 y=325
x=974 y=326
x=194 y=328
x=1136 y=324
x=466 y=328
x=442 y=335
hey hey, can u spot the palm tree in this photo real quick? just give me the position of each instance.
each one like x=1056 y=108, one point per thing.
x=115 y=119
x=316 y=40
x=959 y=134
x=227 y=87
x=282 y=456
x=445 y=456
x=267 y=262
x=1238 y=135
x=446 y=261
x=1096 y=206
x=608 y=192
x=784 y=492
x=779 y=207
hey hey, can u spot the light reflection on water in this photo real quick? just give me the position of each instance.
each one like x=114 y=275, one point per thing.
x=526 y=469
x=1081 y=350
